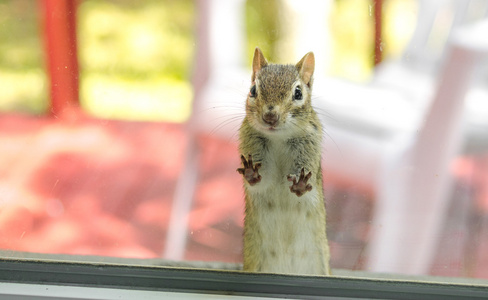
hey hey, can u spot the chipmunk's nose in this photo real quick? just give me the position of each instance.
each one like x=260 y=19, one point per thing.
x=271 y=118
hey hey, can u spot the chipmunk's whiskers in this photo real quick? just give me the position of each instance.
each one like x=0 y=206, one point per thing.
x=229 y=120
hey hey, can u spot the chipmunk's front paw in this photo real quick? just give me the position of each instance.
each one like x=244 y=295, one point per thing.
x=301 y=186
x=250 y=171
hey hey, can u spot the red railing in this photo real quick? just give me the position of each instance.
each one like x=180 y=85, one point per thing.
x=61 y=55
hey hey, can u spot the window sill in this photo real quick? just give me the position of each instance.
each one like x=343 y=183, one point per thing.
x=115 y=278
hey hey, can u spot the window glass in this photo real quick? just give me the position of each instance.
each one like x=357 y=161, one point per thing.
x=144 y=170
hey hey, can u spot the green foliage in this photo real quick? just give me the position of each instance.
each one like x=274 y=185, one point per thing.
x=137 y=39
x=22 y=80
x=20 y=46
x=352 y=29
x=262 y=27
x=136 y=59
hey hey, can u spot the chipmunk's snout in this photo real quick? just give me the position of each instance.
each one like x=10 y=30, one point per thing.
x=271 y=118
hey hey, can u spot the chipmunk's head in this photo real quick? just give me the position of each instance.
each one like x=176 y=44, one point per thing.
x=279 y=99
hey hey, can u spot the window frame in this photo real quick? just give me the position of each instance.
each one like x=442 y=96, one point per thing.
x=207 y=281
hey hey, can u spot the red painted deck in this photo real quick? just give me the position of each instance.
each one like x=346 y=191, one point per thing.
x=106 y=188
x=99 y=187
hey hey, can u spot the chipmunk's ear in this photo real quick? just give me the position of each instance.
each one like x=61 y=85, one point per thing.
x=258 y=62
x=305 y=68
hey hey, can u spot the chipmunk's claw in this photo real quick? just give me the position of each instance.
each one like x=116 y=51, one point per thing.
x=250 y=171
x=300 y=186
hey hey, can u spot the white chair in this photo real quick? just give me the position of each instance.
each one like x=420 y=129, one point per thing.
x=399 y=134
x=415 y=186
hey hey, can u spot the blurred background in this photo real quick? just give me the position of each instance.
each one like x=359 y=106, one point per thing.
x=128 y=48
x=137 y=157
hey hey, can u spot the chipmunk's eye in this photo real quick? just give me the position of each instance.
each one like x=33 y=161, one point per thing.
x=298 y=93
x=252 y=92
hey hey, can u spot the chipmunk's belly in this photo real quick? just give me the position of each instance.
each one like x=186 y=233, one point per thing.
x=291 y=228
x=291 y=233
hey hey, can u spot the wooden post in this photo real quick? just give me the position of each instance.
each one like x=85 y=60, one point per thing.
x=61 y=55
x=377 y=7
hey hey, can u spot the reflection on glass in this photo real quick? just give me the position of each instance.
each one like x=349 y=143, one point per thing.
x=147 y=168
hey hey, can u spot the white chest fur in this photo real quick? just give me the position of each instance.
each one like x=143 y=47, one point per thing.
x=289 y=226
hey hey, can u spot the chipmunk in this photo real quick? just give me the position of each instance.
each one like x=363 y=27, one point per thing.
x=280 y=145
